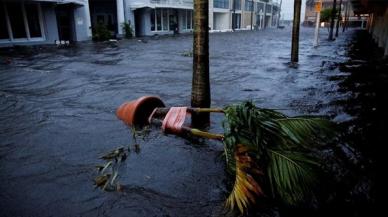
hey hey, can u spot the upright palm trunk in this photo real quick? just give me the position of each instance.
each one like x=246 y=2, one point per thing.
x=333 y=12
x=338 y=19
x=200 y=94
x=295 y=32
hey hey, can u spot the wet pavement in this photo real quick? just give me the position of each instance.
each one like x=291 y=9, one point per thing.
x=57 y=115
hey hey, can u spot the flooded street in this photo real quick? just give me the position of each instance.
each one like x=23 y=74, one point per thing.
x=57 y=117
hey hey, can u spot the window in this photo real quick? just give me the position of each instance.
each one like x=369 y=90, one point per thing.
x=221 y=4
x=237 y=4
x=160 y=19
x=33 y=20
x=165 y=19
x=188 y=19
x=260 y=7
x=20 y=21
x=152 y=20
x=3 y=23
x=16 y=17
x=249 y=5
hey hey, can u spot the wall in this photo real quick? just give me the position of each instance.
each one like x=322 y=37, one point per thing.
x=50 y=23
x=379 y=29
x=221 y=21
x=81 y=23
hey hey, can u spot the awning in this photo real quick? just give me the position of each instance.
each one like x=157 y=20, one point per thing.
x=77 y=2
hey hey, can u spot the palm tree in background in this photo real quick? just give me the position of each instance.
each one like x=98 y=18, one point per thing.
x=295 y=32
x=333 y=15
x=200 y=94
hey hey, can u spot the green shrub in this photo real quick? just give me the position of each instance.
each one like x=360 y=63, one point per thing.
x=127 y=30
x=101 y=32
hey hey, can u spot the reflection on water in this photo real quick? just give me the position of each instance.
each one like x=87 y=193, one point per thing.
x=57 y=114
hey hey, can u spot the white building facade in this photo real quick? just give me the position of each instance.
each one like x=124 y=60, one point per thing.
x=24 y=22
x=152 y=17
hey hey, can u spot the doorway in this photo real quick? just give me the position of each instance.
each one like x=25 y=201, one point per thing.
x=65 y=22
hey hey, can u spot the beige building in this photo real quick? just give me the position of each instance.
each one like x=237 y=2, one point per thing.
x=353 y=20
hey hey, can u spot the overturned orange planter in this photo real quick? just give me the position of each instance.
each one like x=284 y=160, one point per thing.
x=136 y=112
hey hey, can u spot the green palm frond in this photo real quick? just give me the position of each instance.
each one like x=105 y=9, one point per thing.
x=280 y=147
x=304 y=130
x=291 y=175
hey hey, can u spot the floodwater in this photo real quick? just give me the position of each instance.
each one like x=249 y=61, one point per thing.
x=57 y=115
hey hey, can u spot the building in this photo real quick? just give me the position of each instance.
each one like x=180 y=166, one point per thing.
x=24 y=22
x=352 y=19
x=43 y=21
x=377 y=11
x=164 y=16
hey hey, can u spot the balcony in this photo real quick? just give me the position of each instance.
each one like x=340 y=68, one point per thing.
x=187 y=4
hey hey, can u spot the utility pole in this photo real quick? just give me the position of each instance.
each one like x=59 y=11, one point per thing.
x=233 y=14
x=333 y=11
x=200 y=93
x=318 y=6
x=295 y=32
x=280 y=8
x=338 y=19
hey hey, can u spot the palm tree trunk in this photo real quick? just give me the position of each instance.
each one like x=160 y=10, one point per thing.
x=333 y=12
x=295 y=32
x=339 y=18
x=200 y=94
x=346 y=16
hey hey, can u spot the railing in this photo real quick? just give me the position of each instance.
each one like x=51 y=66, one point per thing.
x=172 y=2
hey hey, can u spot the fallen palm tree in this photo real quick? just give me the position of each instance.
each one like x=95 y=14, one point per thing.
x=268 y=153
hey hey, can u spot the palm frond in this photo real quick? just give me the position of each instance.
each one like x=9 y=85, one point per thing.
x=305 y=131
x=276 y=144
x=245 y=189
x=291 y=175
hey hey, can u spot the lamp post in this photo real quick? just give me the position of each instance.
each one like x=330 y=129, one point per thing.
x=252 y=6
x=318 y=6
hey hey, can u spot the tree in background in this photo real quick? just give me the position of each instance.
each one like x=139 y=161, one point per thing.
x=295 y=32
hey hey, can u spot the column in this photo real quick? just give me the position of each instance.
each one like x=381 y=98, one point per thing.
x=120 y=16
x=87 y=19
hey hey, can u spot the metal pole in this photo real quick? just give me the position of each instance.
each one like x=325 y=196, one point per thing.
x=280 y=8
x=252 y=5
x=317 y=24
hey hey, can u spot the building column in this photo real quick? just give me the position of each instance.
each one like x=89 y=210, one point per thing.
x=120 y=16
x=87 y=19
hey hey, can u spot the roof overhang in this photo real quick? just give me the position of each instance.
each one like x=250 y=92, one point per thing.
x=139 y=5
x=77 y=2
x=369 y=6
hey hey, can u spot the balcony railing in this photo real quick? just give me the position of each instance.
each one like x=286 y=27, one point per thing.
x=156 y=3
x=172 y=2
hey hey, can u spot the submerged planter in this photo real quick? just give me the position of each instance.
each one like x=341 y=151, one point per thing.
x=136 y=112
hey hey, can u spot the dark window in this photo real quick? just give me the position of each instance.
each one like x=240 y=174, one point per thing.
x=16 y=17
x=33 y=20
x=158 y=19
x=152 y=20
x=249 y=5
x=221 y=3
x=237 y=4
x=3 y=23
